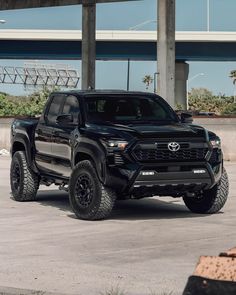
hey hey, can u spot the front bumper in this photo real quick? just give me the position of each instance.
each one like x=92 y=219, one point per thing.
x=164 y=179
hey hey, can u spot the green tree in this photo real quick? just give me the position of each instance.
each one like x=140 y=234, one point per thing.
x=201 y=93
x=233 y=76
x=201 y=99
x=147 y=80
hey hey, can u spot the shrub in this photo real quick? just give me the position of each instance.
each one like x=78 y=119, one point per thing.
x=31 y=105
x=230 y=109
x=202 y=100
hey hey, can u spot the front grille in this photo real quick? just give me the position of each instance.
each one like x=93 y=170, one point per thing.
x=162 y=154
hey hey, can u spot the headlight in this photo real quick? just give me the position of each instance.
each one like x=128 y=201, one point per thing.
x=115 y=144
x=215 y=143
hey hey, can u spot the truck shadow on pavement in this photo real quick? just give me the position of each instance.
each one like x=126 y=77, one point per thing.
x=149 y=208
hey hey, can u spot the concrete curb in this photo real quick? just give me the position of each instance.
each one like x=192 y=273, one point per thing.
x=17 y=291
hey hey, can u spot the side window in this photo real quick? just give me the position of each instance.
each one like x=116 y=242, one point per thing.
x=54 y=108
x=71 y=106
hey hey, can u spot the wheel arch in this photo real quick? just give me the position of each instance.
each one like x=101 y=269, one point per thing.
x=96 y=162
x=21 y=143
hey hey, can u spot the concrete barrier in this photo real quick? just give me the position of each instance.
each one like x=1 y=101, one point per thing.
x=224 y=127
x=5 y=127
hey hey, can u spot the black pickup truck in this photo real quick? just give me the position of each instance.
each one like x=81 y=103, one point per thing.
x=107 y=145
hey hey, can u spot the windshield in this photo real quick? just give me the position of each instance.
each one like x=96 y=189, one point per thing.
x=128 y=110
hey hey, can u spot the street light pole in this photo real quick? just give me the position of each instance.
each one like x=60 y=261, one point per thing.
x=188 y=81
x=128 y=74
x=208 y=15
x=234 y=92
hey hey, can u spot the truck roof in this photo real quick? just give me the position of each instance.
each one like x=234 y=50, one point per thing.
x=105 y=92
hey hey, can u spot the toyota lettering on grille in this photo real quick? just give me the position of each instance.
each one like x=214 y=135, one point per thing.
x=173 y=146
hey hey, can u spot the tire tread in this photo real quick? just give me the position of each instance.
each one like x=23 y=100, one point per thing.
x=30 y=180
x=214 y=199
x=221 y=194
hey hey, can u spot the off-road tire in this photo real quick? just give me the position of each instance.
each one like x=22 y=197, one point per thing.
x=210 y=201
x=28 y=181
x=101 y=198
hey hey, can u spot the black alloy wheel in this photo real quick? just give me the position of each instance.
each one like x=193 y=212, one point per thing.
x=84 y=190
x=89 y=198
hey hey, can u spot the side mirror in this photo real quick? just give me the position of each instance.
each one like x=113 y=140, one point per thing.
x=65 y=119
x=186 y=118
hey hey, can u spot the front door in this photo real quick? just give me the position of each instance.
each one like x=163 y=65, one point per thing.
x=63 y=137
x=44 y=134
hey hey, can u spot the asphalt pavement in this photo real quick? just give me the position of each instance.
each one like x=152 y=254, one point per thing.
x=148 y=246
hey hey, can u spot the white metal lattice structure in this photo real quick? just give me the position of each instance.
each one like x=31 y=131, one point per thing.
x=40 y=75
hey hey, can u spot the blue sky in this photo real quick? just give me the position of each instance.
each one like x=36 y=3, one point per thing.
x=190 y=15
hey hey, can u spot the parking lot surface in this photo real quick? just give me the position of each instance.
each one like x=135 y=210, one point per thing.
x=148 y=246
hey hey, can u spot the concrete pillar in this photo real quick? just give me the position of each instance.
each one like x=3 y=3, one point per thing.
x=181 y=78
x=88 y=44
x=166 y=50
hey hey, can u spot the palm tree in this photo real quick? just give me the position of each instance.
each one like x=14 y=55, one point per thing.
x=147 y=80
x=233 y=76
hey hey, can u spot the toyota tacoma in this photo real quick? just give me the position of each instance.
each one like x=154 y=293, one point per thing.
x=103 y=146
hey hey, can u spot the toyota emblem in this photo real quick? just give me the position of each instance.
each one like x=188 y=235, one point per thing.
x=173 y=146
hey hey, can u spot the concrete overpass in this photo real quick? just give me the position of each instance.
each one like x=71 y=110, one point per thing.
x=166 y=39
x=115 y=45
x=120 y=45
x=88 y=28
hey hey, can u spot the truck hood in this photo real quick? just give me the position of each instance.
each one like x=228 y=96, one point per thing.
x=174 y=130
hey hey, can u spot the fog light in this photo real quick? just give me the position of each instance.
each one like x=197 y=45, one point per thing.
x=147 y=173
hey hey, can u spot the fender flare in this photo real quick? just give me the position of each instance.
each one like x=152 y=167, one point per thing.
x=22 y=138
x=93 y=152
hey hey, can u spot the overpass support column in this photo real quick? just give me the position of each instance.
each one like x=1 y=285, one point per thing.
x=88 y=44
x=181 y=74
x=166 y=50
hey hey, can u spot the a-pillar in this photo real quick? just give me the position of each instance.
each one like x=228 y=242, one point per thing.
x=88 y=44
x=181 y=78
x=166 y=50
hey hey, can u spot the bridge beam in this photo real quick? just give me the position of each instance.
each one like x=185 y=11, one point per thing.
x=16 y=4
x=166 y=50
x=88 y=45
